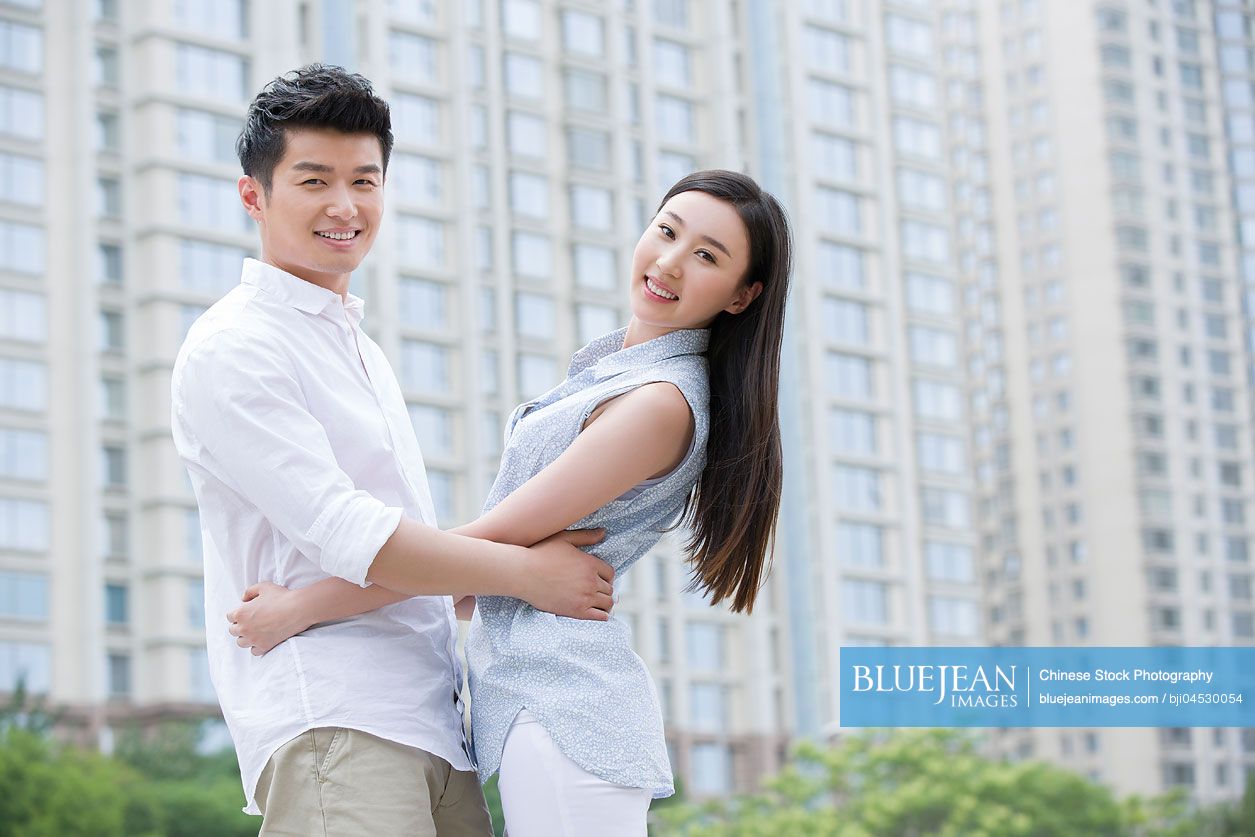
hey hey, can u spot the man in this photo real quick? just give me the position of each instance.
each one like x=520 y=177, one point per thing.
x=305 y=465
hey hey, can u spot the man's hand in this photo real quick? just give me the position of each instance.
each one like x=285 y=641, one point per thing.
x=269 y=615
x=562 y=579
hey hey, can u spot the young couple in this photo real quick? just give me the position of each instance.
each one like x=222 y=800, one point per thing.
x=337 y=674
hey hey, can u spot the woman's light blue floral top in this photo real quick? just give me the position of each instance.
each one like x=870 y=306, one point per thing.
x=581 y=679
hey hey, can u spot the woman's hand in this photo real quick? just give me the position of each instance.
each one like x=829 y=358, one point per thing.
x=270 y=614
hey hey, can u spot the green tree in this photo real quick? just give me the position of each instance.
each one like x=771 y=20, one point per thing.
x=48 y=790
x=908 y=784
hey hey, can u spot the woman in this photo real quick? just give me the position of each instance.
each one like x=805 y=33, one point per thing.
x=673 y=415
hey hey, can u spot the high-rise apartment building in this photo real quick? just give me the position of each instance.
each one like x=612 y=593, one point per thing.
x=1017 y=392
x=1115 y=464
x=533 y=141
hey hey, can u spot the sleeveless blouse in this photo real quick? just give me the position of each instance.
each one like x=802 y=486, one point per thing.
x=581 y=679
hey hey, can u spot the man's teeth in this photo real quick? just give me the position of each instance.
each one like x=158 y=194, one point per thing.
x=665 y=294
x=338 y=236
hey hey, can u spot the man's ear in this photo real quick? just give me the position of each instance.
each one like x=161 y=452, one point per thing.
x=250 y=196
x=744 y=297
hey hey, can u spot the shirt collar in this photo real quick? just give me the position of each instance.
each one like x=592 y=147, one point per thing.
x=296 y=292
x=608 y=357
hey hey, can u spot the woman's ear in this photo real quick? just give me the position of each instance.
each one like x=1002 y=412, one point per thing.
x=744 y=297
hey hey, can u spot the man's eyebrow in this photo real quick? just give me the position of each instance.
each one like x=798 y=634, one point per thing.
x=714 y=242
x=321 y=168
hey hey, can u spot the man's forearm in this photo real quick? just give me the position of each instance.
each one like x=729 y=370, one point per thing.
x=335 y=598
x=421 y=560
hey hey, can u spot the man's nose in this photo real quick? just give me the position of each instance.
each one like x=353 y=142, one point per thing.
x=342 y=205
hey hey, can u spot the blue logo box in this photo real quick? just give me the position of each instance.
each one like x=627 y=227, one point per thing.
x=1047 y=687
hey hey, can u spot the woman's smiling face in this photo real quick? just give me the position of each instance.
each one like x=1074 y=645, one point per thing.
x=690 y=265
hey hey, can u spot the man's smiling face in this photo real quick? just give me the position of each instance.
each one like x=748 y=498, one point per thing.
x=320 y=216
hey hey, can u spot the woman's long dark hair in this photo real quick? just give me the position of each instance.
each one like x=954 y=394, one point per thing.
x=732 y=510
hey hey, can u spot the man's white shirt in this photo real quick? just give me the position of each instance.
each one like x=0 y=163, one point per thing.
x=303 y=459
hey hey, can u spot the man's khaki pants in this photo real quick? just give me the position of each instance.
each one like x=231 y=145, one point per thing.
x=337 y=782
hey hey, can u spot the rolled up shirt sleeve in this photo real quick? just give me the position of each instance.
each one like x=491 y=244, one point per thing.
x=240 y=404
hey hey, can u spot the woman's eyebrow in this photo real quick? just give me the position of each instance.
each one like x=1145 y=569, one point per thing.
x=714 y=242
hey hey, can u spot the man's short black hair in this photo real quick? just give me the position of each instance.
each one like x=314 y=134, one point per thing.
x=314 y=96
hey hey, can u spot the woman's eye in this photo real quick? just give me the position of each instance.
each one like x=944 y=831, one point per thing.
x=666 y=231
x=705 y=254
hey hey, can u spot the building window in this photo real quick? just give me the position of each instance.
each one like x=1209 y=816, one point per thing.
x=113 y=466
x=675 y=120
x=536 y=374
x=21 y=113
x=592 y=208
x=117 y=604
x=433 y=426
x=524 y=75
x=119 y=671
x=705 y=644
x=860 y=544
x=23 y=316
x=23 y=596
x=416 y=119
x=712 y=769
x=531 y=255
x=21 y=180
x=708 y=705
x=590 y=149
x=193 y=538
x=534 y=315
x=112 y=334
x=857 y=489
x=425 y=367
x=945 y=508
x=206 y=137
x=211 y=74
x=583 y=33
x=212 y=203
x=952 y=616
x=196 y=605
x=21 y=247
x=414 y=57
x=113 y=537
x=852 y=432
x=529 y=194
x=672 y=63
x=585 y=90
x=21 y=47
x=423 y=303
x=226 y=19
x=865 y=602
x=27 y=663
x=838 y=211
x=421 y=241
x=848 y=376
x=831 y=105
x=526 y=134
x=595 y=267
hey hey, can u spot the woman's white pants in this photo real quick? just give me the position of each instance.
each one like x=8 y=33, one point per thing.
x=545 y=794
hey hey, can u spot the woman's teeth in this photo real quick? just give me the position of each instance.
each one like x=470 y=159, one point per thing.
x=662 y=292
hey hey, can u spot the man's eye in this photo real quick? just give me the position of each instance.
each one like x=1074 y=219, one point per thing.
x=311 y=180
